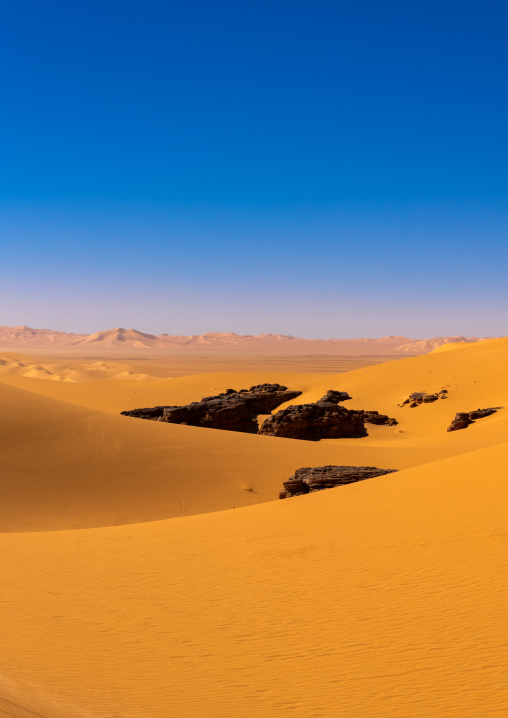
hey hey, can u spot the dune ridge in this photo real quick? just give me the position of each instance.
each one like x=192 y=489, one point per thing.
x=120 y=338
x=64 y=371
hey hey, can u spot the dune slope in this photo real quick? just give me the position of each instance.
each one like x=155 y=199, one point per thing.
x=74 y=462
x=64 y=466
x=385 y=598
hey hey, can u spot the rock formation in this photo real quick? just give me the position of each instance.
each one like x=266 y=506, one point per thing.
x=238 y=411
x=231 y=410
x=421 y=397
x=312 y=422
x=333 y=397
x=324 y=419
x=374 y=417
x=310 y=479
x=370 y=417
x=153 y=413
x=463 y=419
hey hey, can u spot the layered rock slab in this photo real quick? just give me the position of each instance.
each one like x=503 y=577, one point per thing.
x=238 y=411
x=463 y=419
x=374 y=417
x=324 y=419
x=312 y=422
x=421 y=397
x=333 y=396
x=310 y=479
x=232 y=410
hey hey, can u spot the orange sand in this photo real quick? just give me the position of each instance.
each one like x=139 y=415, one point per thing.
x=380 y=599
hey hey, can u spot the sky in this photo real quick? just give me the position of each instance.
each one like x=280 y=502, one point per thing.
x=320 y=169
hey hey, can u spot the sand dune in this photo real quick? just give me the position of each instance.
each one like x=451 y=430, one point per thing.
x=384 y=598
x=119 y=339
x=67 y=371
x=119 y=336
x=23 y=335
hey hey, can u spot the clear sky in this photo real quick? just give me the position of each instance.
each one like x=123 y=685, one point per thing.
x=322 y=169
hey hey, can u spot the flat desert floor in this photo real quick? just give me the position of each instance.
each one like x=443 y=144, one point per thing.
x=148 y=570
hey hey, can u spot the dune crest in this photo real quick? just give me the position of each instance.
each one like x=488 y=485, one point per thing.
x=120 y=338
x=20 y=365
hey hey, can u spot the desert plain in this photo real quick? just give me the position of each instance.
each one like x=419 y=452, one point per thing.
x=149 y=570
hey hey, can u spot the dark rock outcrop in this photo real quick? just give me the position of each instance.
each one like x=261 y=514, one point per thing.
x=370 y=417
x=231 y=410
x=421 y=397
x=482 y=413
x=312 y=422
x=374 y=417
x=333 y=397
x=152 y=413
x=238 y=411
x=463 y=419
x=323 y=420
x=310 y=479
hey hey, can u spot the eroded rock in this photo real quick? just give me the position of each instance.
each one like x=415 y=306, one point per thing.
x=333 y=396
x=312 y=422
x=324 y=419
x=421 y=397
x=463 y=419
x=238 y=410
x=317 y=478
x=232 y=410
x=374 y=417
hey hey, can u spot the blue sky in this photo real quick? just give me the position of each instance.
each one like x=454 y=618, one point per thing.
x=314 y=168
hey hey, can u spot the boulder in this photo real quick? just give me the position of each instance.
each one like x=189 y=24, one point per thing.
x=310 y=479
x=312 y=422
x=463 y=419
x=232 y=410
x=323 y=420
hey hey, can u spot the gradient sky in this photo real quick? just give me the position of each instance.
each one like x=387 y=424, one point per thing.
x=322 y=169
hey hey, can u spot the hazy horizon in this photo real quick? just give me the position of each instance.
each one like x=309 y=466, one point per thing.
x=226 y=332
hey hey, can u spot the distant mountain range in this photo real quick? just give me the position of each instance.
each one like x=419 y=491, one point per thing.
x=24 y=337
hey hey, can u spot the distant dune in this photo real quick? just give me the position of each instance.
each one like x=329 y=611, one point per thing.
x=24 y=337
